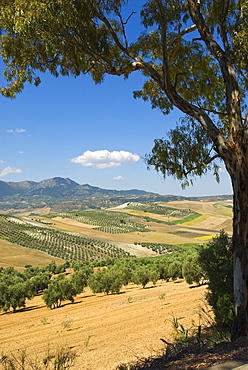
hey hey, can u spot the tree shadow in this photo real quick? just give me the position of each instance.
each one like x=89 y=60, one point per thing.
x=194 y=357
x=22 y=309
x=150 y=287
x=197 y=286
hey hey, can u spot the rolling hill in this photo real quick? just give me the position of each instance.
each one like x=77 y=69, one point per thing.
x=63 y=194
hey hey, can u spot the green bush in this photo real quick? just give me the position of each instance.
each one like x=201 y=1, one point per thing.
x=59 y=290
x=216 y=261
x=144 y=274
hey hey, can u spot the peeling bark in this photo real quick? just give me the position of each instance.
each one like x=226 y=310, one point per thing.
x=239 y=178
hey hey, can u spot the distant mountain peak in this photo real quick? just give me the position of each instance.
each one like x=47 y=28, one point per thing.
x=57 y=181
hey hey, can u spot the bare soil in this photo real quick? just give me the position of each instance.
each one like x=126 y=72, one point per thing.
x=18 y=257
x=104 y=330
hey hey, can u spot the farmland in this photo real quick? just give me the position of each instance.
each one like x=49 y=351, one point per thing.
x=137 y=229
x=59 y=244
x=106 y=330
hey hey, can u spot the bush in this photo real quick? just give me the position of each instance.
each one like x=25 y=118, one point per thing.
x=14 y=289
x=216 y=261
x=62 y=359
x=144 y=274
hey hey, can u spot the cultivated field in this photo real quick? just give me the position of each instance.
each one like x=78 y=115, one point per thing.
x=104 y=330
x=18 y=257
x=213 y=217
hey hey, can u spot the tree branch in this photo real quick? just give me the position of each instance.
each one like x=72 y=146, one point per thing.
x=102 y=17
x=123 y=24
x=213 y=111
x=200 y=164
x=225 y=7
x=227 y=70
x=119 y=71
x=178 y=40
x=182 y=33
x=197 y=113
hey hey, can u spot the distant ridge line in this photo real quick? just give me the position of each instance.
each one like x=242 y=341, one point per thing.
x=64 y=194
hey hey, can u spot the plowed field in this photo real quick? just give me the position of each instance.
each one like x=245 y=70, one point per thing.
x=104 y=330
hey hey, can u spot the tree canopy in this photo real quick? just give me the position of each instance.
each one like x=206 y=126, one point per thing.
x=190 y=53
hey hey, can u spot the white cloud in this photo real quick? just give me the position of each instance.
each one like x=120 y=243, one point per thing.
x=119 y=178
x=20 y=152
x=6 y=171
x=17 y=130
x=1 y=161
x=220 y=169
x=105 y=159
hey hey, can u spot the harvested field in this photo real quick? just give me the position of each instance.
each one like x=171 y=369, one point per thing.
x=104 y=330
x=18 y=257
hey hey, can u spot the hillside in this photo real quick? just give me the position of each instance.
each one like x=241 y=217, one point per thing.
x=60 y=194
x=137 y=229
x=104 y=330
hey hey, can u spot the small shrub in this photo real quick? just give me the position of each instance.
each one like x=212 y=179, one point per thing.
x=162 y=296
x=129 y=299
x=66 y=324
x=87 y=341
x=44 y=320
x=61 y=359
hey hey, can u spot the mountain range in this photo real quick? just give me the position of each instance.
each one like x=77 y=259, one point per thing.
x=63 y=194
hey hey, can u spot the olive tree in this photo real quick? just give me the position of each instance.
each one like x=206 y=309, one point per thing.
x=60 y=289
x=193 y=56
x=191 y=269
x=106 y=280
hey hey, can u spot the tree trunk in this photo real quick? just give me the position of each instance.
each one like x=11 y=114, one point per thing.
x=239 y=178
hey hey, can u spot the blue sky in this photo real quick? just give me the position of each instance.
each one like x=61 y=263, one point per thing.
x=95 y=134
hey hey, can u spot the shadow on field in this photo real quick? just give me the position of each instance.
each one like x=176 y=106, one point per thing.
x=194 y=358
x=23 y=309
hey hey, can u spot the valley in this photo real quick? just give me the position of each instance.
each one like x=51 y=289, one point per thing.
x=107 y=330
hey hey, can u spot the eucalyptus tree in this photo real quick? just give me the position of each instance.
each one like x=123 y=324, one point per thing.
x=192 y=55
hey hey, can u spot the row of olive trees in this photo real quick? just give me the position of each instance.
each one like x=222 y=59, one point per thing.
x=16 y=287
x=56 y=243
x=51 y=281
x=144 y=270
x=62 y=289
x=211 y=263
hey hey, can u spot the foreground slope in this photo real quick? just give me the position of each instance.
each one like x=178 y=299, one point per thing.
x=104 y=330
